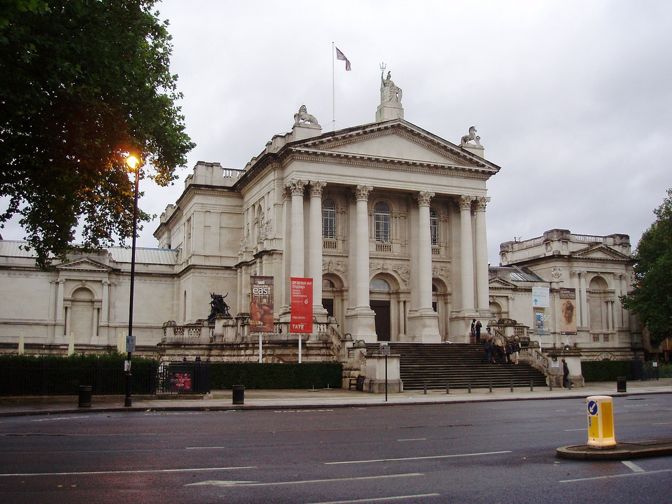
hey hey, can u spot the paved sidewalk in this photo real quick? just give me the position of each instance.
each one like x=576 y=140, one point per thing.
x=220 y=400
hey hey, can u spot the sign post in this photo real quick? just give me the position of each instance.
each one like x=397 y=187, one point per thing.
x=385 y=350
x=301 y=308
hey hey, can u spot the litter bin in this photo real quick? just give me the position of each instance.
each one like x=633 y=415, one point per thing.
x=238 y=394
x=85 y=396
x=621 y=384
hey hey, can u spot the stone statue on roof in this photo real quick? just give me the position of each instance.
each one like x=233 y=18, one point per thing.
x=389 y=91
x=471 y=137
x=302 y=118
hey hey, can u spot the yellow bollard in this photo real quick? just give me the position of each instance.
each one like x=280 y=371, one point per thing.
x=600 y=411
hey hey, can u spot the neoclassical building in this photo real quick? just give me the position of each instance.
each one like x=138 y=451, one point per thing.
x=388 y=219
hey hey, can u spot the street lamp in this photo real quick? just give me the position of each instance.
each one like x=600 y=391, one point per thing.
x=134 y=164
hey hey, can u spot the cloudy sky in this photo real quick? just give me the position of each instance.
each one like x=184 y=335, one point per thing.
x=573 y=99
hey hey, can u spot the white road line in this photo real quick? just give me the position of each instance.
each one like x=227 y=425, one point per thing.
x=137 y=471
x=627 y=475
x=53 y=419
x=379 y=499
x=632 y=466
x=403 y=459
x=206 y=447
x=299 y=482
x=662 y=423
x=575 y=430
x=412 y=439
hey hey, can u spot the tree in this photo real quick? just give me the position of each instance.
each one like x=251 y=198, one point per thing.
x=651 y=298
x=83 y=82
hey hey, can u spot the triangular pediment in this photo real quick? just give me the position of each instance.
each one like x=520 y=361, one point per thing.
x=498 y=282
x=398 y=142
x=602 y=252
x=84 y=264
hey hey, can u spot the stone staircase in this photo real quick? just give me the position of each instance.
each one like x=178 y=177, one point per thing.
x=457 y=365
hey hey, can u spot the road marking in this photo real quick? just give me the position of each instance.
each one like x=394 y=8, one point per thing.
x=378 y=499
x=223 y=483
x=574 y=430
x=137 y=471
x=53 y=419
x=412 y=439
x=429 y=457
x=206 y=447
x=632 y=466
x=304 y=411
x=627 y=475
x=662 y=423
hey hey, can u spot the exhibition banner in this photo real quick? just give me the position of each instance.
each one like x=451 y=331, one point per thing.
x=301 y=320
x=567 y=311
x=261 y=304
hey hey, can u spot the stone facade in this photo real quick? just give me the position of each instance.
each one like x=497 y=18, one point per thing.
x=388 y=220
x=597 y=269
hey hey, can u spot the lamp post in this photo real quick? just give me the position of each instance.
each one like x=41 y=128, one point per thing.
x=134 y=164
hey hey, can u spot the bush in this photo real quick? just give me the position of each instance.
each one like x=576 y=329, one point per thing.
x=223 y=375
x=596 y=371
x=54 y=375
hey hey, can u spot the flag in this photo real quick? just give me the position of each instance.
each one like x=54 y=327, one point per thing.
x=341 y=56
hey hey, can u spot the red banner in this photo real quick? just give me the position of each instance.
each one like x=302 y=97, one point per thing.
x=261 y=304
x=301 y=320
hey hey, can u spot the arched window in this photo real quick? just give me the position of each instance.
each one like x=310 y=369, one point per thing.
x=379 y=285
x=328 y=219
x=381 y=218
x=434 y=226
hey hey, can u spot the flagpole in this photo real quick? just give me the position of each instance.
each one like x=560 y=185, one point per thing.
x=333 y=90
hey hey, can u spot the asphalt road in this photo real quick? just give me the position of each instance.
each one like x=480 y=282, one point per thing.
x=484 y=452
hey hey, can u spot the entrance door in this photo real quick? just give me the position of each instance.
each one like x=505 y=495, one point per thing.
x=382 y=311
x=328 y=304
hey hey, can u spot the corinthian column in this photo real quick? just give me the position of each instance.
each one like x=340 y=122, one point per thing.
x=466 y=254
x=362 y=246
x=296 y=246
x=360 y=319
x=424 y=251
x=315 y=244
x=483 y=295
x=423 y=322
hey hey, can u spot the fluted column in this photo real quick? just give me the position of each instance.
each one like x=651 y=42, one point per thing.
x=362 y=247
x=424 y=252
x=360 y=318
x=105 y=308
x=297 y=248
x=466 y=254
x=315 y=243
x=483 y=294
x=624 y=292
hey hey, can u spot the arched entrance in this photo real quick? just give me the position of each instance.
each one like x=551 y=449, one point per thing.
x=82 y=315
x=332 y=297
x=380 y=301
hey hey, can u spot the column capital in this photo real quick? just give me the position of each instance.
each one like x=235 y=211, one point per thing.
x=296 y=187
x=465 y=202
x=424 y=198
x=362 y=192
x=481 y=203
x=316 y=188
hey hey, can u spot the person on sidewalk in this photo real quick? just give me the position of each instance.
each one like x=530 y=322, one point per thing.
x=565 y=374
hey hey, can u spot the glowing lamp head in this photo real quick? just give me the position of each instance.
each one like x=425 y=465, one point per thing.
x=132 y=161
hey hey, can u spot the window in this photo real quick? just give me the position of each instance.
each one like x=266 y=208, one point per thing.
x=434 y=226
x=379 y=285
x=381 y=218
x=328 y=219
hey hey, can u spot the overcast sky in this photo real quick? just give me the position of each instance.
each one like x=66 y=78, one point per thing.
x=573 y=99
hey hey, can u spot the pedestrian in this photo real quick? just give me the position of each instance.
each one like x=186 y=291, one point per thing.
x=487 y=347
x=478 y=331
x=472 y=332
x=515 y=349
x=565 y=374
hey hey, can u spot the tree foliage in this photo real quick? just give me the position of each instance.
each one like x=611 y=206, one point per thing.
x=651 y=298
x=83 y=82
